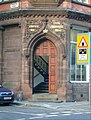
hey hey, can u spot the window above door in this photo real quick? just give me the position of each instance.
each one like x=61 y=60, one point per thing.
x=5 y=1
x=82 y=1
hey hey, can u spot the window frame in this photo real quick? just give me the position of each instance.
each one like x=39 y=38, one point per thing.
x=7 y=1
x=78 y=28
x=81 y=3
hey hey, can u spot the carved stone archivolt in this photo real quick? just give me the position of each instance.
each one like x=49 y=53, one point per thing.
x=44 y=27
x=57 y=27
x=34 y=27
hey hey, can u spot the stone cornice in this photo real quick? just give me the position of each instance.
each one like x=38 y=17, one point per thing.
x=68 y=13
x=79 y=16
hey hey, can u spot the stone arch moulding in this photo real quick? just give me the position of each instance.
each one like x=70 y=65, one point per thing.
x=49 y=35
x=33 y=42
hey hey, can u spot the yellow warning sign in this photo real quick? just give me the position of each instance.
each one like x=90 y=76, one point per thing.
x=82 y=43
x=83 y=48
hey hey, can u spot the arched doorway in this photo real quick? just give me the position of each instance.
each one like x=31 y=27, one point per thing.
x=45 y=67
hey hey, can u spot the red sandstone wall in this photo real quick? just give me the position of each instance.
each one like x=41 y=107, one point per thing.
x=0 y=55
x=12 y=57
x=77 y=7
x=7 y=6
x=65 y=4
x=89 y=1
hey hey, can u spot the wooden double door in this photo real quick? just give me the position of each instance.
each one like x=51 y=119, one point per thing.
x=48 y=49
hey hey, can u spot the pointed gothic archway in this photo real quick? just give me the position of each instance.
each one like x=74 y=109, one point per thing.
x=45 y=67
x=51 y=48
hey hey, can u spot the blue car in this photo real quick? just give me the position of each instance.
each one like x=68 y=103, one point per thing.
x=6 y=95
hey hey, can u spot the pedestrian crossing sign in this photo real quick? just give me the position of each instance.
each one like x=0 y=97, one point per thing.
x=83 y=48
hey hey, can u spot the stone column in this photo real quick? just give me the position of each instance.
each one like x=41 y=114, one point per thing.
x=69 y=93
x=25 y=87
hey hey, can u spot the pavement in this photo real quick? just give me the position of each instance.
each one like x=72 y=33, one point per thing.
x=83 y=105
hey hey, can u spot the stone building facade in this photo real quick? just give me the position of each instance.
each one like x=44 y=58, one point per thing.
x=38 y=48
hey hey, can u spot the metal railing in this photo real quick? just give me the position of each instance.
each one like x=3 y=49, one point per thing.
x=41 y=64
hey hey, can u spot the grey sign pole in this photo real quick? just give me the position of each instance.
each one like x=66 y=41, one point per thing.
x=90 y=72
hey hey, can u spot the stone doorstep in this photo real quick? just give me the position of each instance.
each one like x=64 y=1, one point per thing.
x=44 y=97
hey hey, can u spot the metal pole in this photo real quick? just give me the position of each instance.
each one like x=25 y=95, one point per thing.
x=90 y=71
x=90 y=85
